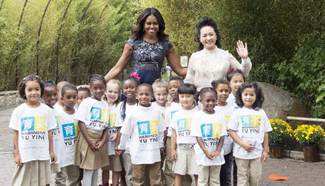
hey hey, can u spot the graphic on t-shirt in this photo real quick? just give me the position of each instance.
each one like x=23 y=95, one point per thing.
x=172 y=113
x=112 y=119
x=99 y=118
x=148 y=131
x=33 y=128
x=70 y=133
x=184 y=127
x=33 y=124
x=227 y=117
x=147 y=128
x=250 y=123
x=211 y=130
x=56 y=130
x=70 y=130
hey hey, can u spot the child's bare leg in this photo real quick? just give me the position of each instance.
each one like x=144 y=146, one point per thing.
x=105 y=176
x=178 y=180
x=116 y=178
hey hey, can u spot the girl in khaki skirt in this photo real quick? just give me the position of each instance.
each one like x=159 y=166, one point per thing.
x=32 y=123
x=93 y=120
x=112 y=95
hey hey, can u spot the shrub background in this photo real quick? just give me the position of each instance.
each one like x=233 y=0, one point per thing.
x=73 y=38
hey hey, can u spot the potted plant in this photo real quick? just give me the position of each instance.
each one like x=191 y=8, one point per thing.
x=309 y=136
x=281 y=133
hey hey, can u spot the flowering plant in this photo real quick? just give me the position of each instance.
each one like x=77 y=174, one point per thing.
x=281 y=132
x=309 y=134
x=135 y=76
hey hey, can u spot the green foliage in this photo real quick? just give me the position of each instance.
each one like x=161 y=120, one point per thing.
x=321 y=96
x=90 y=35
x=285 y=38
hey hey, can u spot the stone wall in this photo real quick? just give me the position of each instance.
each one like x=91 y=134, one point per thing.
x=9 y=99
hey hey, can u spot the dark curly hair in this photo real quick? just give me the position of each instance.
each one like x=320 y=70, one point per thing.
x=22 y=84
x=258 y=91
x=206 y=90
x=138 y=32
x=207 y=21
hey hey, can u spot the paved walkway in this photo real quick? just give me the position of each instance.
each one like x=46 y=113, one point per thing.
x=300 y=173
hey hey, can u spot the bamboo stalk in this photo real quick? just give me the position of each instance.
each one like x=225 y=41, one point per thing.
x=39 y=35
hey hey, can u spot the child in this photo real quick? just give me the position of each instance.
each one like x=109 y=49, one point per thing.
x=249 y=127
x=32 y=123
x=144 y=126
x=68 y=135
x=236 y=79
x=50 y=96
x=83 y=93
x=182 y=151
x=93 y=121
x=172 y=106
x=173 y=85
x=124 y=108
x=225 y=110
x=160 y=92
x=209 y=129
x=59 y=105
x=112 y=97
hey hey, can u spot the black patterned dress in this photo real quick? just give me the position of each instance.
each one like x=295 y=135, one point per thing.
x=148 y=58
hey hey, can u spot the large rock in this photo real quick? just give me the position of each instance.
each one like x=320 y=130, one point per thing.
x=279 y=103
x=9 y=99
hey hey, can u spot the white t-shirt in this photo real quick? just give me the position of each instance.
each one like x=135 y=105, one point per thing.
x=226 y=112
x=33 y=125
x=231 y=100
x=161 y=108
x=120 y=121
x=93 y=113
x=181 y=122
x=210 y=127
x=250 y=125
x=57 y=106
x=112 y=131
x=144 y=126
x=68 y=137
x=56 y=132
x=168 y=115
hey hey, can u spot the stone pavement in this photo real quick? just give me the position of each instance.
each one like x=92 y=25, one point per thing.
x=300 y=173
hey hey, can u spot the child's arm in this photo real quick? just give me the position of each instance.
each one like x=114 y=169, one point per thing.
x=104 y=139
x=16 y=150
x=219 y=147
x=236 y=138
x=266 y=148
x=83 y=130
x=118 y=136
x=52 y=154
x=205 y=150
x=173 y=145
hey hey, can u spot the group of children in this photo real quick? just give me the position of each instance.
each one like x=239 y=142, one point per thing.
x=164 y=134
